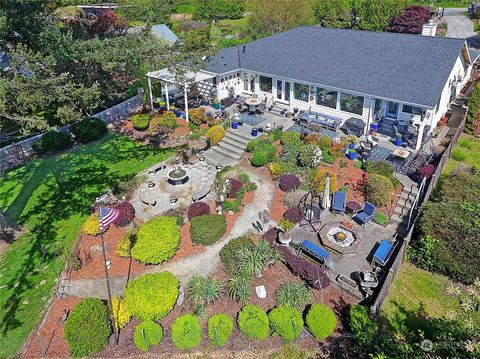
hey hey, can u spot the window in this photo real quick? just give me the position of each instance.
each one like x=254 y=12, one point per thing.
x=301 y=92
x=351 y=103
x=265 y=84
x=326 y=98
x=412 y=110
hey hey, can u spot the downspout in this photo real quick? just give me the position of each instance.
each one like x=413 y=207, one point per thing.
x=369 y=116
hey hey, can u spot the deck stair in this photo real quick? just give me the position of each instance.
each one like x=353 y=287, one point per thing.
x=403 y=207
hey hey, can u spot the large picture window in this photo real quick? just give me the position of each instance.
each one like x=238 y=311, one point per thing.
x=301 y=92
x=265 y=84
x=351 y=103
x=412 y=110
x=326 y=97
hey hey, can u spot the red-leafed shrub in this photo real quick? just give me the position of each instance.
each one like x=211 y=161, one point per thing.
x=126 y=214
x=426 y=171
x=411 y=20
x=235 y=186
x=294 y=215
x=289 y=182
x=198 y=209
x=271 y=236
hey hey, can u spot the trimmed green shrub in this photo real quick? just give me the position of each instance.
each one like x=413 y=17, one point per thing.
x=90 y=129
x=259 y=159
x=167 y=119
x=286 y=322
x=380 y=218
x=253 y=322
x=140 y=121
x=186 y=332
x=382 y=168
x=378 y=189
x=52 y=141
x=147 y=334
x=228 y=254
x=152 y=296
x=87 y=327
x=157 y=240
x=321 y=321
x=220 y=327
x=208 y=229
x=293 y=294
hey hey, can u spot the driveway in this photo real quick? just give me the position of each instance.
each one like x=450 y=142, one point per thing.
x=460 y=26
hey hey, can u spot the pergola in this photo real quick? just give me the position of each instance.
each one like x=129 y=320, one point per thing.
x=166 y=77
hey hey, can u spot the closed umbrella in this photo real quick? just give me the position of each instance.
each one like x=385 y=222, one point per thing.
x=326 y=194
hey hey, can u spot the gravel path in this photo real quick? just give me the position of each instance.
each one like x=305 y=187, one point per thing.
x=203 y=263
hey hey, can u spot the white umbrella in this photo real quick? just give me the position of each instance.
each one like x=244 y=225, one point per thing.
x=326 y=194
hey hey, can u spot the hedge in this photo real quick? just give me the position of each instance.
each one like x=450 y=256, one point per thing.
x=87 y=327
x=208 y=229
x=186 y=332
x=321 y=321
x=220 y=327
x=286 y=322
x=152 y=296
x=147 y=334
x=90 y=129
x=157 y=240
x=253 y=322
x=52 y=141
x=228 y=254
x=140 y=121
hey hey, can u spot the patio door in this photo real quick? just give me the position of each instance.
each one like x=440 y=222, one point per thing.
x=391 y=109
x=283 y=91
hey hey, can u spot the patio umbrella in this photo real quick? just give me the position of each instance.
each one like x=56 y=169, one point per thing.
x=326 y=194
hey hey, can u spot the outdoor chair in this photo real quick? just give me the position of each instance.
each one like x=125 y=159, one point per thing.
x=339 y=202
x=383 y=253
x=303 y=123
x=366 y=214
x=372 y=141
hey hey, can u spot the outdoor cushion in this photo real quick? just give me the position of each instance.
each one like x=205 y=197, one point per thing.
x=317 y=252
x=339 y=200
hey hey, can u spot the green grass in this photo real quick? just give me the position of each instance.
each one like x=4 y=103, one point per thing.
x=467 y=149
x=185 y=7
x=417 y=290
x=51 y=198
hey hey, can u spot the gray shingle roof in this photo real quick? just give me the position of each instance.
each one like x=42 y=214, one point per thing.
x=162 y=31
x=407 y=68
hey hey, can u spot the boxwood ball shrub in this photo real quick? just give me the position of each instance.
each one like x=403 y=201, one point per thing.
x=147 y=334
x=186 y=332
x=380 y=218
x=220 y=327
x=198 y=209
x=321 y=321
x=289 y=182
x=259 y=159
x=286 y=322
x=208 y=229
x=87 y=327
x=126 y=214
x=140 y=121
x=151 y=296
x=228 y=254
x=293 y=215
x=90 y=129
x=253 y=322
x=157 y=240
x=52 y=141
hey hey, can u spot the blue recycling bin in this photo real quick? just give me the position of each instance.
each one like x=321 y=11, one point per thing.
x=254 y=132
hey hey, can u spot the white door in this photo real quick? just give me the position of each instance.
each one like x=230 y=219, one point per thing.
x=283 y=91
x=391 y=109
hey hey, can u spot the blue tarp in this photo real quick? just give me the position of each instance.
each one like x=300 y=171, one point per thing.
x=315 y=250
x=383 y=252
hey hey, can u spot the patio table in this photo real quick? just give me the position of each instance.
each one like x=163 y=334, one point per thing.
x=403 y=154
x=353 y=207
x=252 y=103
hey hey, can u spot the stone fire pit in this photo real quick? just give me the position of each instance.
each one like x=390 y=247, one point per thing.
x=340 y=239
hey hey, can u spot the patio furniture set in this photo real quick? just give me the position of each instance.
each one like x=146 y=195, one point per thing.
x=315 y=121
x=251 y=104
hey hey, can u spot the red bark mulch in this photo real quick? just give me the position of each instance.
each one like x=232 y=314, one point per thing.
x=278 y=208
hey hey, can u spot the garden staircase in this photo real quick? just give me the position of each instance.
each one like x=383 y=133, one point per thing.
x=279 y=109
x=404 y=205
x=229 y=150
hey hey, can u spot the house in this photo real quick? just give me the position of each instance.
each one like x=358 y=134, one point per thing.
x=163 y=32
x=398 y=78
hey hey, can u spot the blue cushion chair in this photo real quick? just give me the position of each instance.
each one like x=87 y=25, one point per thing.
x=339 y=202
x=383 y=252
x=366 y=214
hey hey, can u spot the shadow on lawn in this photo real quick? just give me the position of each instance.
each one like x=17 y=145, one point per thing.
x=68 y=188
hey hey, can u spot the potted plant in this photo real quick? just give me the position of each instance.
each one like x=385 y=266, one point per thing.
x=374 y=125
x=216 y=104
x=177 y=112
x=205 y=102
x=351 y=153
x=398 y=139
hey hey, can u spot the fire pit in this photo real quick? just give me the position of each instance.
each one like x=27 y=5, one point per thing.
x=177 y=176
x=340 y=239
x=341 y=236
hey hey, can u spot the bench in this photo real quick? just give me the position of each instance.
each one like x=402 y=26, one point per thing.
x=318 y=253
x=159 y=167
x=202 y=193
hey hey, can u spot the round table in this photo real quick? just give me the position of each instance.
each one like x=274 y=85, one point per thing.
x=252 y=103
x=353 y=207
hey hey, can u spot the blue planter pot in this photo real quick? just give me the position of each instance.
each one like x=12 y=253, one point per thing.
x=178 y=113
x=398 y=141
x=206 y=103
x=373 y=126
x=351 y=146
x=216 y=106
x=254 y=132
x=352 y=155
x=234 y=124
x=184 y=116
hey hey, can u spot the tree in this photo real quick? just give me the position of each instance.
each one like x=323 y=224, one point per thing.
x=411 y=20
x=272 y=16
x=148 y=12
x=105 y=24
x=376 y=15
x=219 y=9
x=197 y=40
x=333 y=13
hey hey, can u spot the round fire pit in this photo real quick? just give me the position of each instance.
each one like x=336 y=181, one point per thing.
x=177 y=176
x=341 y=239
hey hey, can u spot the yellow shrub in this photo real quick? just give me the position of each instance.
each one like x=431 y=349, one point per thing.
x=91 y=225
x=218 y=135
x=124 y=247
x=320 y=178
x=275 y=169
x=120 y=313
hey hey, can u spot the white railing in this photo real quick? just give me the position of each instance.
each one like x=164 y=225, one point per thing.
x=415 y=202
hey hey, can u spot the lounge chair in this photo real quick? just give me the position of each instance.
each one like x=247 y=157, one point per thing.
x=383 y=252
x=318 y=253
x=366 y=214
x=339 y=202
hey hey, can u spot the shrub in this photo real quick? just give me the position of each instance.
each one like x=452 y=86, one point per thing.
x=157 y=240
x=336 y=150
x=168 y=120
x=197 y=116
x=126 y=214
x=285 y=225
x=293 y=294
x=286 y=322
x=151 y=296
x=363 y=328
x=124 y=247
x=320 y=321
x=198 y=209
x=380 y=218
x=232 y=205
x=254 y=260
x=320 y=178
x=275 y=135
x=218 y=135
x=293 y=199
x=378 y=189
x=240 y=288
x=208 y=229
x=253 y=144
x=147 y=334
x=253 y=322
x=52 y=141
x=293 y=215
x=458 y=155
x=328 y=158
x=309 y=156
x=426 y=171
x=220 y=327
x=87 y=327
x=120 y=312
x=291 y=140
x=90 y=129
x=91 y=225
x=186 y=332
x=203 y=291
x=276 y=169
x=259 y=159
x=235 y=186
x=382 y=168
x=289 y=182
x=324 y=142
x=228 y=254
x=140 y=121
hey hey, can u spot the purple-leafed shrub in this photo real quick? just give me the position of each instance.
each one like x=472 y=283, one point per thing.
x=426 y=171
x=198 y=209
x=271 y=236
x=235 y=186
x=289 y=182
x=126 y=214
x=293 y=214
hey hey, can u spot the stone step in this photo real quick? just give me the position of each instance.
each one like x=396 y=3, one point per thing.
x=406 y=196
x=401 y=211
x=226 y=153
x=404 y=202
x=235 y=144
x=237 y=137
x=214 y=158
x=396 y=218
x=230 y=149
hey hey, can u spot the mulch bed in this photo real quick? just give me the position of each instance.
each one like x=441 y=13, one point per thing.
x=278 y=208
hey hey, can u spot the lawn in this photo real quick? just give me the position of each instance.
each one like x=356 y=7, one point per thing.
x=464 y=153
x=51 y=198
